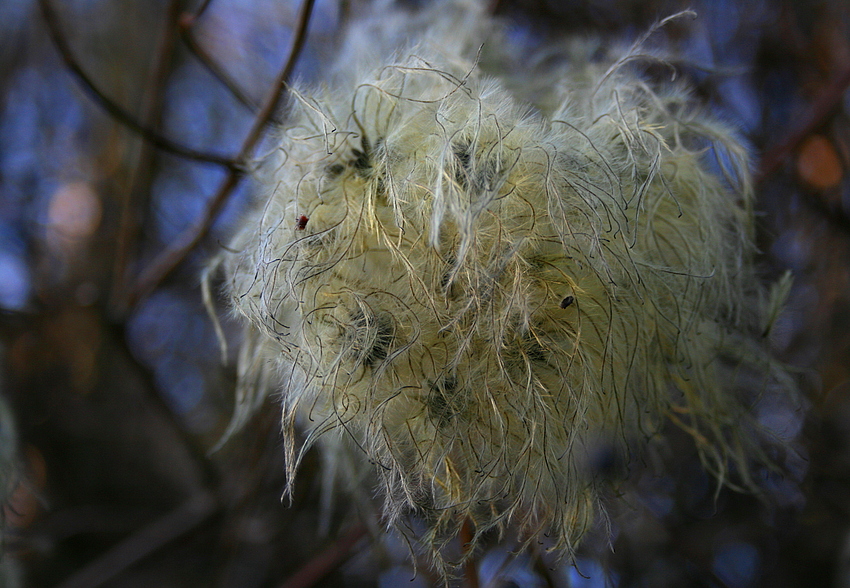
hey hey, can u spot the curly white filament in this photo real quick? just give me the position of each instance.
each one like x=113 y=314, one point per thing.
x=477 y=274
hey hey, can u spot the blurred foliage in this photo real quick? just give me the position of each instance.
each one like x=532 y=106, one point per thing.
x=118 y=397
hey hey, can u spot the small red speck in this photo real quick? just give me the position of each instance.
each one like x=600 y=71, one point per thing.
x=301 y=223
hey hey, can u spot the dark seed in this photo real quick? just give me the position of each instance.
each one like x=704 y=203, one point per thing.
x=335 y=170
x=372 y=338
x=361 y=161
x=567 y=301
x=464 y=159
x=447 y=273
x=535 y=351
x=442 y=401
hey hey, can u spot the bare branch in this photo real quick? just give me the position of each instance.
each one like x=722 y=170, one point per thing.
x=217 y=71
x=113 y=108
x=470 y=567
x=169 y=259
x=819 y=111
x=172 y=525
x=139 y=182
x=327 y=561
x=274 y=96
x=201 y=9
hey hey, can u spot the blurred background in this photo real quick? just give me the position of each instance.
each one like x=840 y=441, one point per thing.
x=113 y=386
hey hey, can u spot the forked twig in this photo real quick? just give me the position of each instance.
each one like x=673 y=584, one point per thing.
x=216 y=70
x=169 y=259
x=113 y=108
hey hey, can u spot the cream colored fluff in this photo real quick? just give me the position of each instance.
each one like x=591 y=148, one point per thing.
x=469 y=274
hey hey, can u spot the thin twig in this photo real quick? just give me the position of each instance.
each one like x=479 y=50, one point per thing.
x=201 y=9
x=274 y=95
x=217 y=71
x=140 y=179
x=117 y=111
x=470 y=569
x=168 y=260
x=542 y=569
x=819 y=111
x=206 y=470
x=174 y=524
x=327 y=561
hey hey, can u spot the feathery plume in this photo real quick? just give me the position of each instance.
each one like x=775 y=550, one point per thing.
x=472 y=270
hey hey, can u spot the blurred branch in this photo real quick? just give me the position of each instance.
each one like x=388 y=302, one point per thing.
x=216 y=70
x=117 y=111
x=542 y=569
x=156 y=535
x=327 y=561
x=168 y=260
x=203 y=501
x=821 y=109
x=818 y=113
x=201 y=9
x=470 y=567
x=204 y=469
x=141 y=177
x=274 y=96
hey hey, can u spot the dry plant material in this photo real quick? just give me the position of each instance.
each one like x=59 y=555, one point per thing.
x=474 y=273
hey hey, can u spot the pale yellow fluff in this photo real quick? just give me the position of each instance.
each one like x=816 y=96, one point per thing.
x=474 y=271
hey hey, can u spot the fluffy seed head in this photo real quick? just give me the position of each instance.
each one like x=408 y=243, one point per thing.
x=475 y=277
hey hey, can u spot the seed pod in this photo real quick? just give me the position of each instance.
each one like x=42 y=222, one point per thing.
x=420 y=320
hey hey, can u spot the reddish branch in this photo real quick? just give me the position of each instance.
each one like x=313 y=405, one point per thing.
x=470 y=568
x=327 y=561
